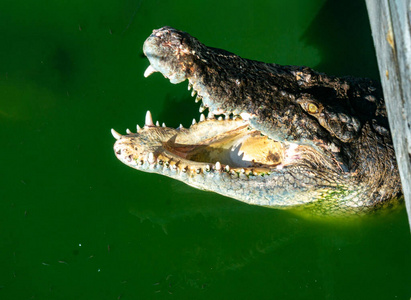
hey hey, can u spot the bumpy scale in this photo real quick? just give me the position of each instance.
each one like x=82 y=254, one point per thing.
x=285 y=136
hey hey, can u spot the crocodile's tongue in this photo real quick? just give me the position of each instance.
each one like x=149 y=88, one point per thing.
x=238 y=148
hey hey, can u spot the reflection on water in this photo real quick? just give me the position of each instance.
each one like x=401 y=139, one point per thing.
x=218 y=242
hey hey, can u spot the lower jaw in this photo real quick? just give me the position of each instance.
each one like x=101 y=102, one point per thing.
x=239 y=150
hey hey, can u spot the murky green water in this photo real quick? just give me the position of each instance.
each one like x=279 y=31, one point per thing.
x=77 y=224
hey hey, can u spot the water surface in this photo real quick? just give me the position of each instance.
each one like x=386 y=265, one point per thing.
x=77 y=224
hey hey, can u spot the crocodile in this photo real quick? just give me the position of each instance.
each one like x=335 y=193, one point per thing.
x=276 y=136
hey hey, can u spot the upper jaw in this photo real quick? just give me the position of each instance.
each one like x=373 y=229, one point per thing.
x=178 y=57
x=164 y=51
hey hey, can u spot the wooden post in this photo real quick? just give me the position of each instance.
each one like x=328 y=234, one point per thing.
x=390 y=25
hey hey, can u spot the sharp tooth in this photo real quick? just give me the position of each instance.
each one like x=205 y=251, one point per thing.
x=227 y=116
x=115 y=134
x=149 y=120
x=202 y=118
x=193 y=92
x=158 y=123
x=150 y=70
x=151 y=159
x=181 y=126
x=164 y=124
x=138 y=128
x=190 y=86
x=218 y=166
x=245 y=116
x=128 y=131
x=220 y=118
x=210 y=115
x=202 y=108
x=227 y=168
x=198 y=99
x=194 y=122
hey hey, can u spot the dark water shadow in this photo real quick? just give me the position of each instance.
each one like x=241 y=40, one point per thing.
x=179 y=108
x=342 y=34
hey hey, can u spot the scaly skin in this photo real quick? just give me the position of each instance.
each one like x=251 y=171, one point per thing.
x=291 y=137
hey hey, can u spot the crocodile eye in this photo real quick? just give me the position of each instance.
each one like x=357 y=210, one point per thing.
x=312 y=108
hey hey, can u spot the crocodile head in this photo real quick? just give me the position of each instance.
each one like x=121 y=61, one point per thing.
x=279 y=136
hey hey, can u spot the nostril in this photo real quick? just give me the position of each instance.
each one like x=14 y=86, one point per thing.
x=118 y=151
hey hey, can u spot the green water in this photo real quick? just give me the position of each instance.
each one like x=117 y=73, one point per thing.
x=77 y=224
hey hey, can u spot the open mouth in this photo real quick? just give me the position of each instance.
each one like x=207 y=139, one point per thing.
x=223 y=144
x=224 y=141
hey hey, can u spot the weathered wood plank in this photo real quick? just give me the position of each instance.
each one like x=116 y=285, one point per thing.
x=390 y=25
